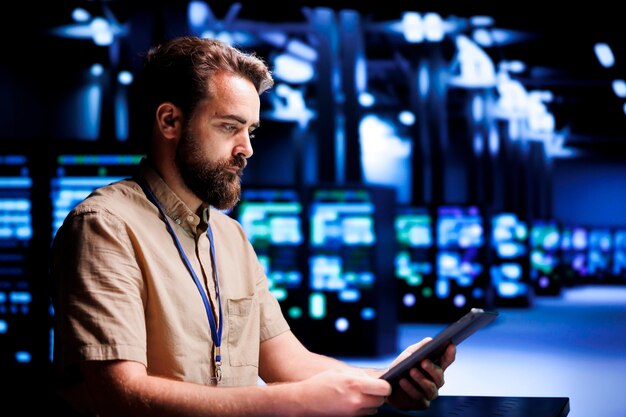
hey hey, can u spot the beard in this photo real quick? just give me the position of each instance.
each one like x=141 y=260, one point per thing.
x=210 y=181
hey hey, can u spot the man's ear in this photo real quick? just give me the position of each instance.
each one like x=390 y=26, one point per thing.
x=169 y=120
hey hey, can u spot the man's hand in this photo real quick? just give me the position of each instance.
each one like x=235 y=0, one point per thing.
x=423 y=385
x=340 y=392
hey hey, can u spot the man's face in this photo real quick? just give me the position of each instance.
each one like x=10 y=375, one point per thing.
x=215 y=144
x=211 y=180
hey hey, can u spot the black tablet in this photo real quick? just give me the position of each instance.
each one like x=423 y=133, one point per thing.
x=454 y=333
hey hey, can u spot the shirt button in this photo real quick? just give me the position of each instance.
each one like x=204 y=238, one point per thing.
x=190 y=219
x=177 y=221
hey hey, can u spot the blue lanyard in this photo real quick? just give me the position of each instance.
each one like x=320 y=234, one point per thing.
x=216 y=329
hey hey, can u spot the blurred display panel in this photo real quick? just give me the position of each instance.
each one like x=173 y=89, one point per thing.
x=463 y=280
x=16 y=318
x=619 y=255
x=351 y=283
x=414 y=263
x=545 y=255
x=510 y=264
x=574 y=255
x=600 y=256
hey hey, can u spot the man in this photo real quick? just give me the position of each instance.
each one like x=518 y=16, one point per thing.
x=161 y=306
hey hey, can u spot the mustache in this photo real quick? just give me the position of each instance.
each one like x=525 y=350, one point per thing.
x=238 y=162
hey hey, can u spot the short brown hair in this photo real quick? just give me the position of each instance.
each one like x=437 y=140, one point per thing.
x=178 y=70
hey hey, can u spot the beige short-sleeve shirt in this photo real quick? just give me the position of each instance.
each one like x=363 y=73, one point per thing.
x=123 y=291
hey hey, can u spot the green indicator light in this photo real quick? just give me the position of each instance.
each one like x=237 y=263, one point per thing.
x=295 y=312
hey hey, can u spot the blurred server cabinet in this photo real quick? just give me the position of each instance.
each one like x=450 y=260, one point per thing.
x=463 y=279
x=619 y=255
x=414 y=263
x=351 y=285
x=510 y=262
x=574 y=254
x=545 y=257
x=600 y=256
x=17 y=321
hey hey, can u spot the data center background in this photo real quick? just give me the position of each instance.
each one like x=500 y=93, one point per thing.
x=415 y=160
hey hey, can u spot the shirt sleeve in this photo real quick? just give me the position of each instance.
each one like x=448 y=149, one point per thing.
x=99 y=306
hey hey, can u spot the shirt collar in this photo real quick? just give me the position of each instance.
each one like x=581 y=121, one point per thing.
x=171 y=204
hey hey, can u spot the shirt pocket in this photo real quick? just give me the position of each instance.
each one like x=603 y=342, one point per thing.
x=243 y=332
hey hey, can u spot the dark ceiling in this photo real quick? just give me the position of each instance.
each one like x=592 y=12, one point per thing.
x=556 y=44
